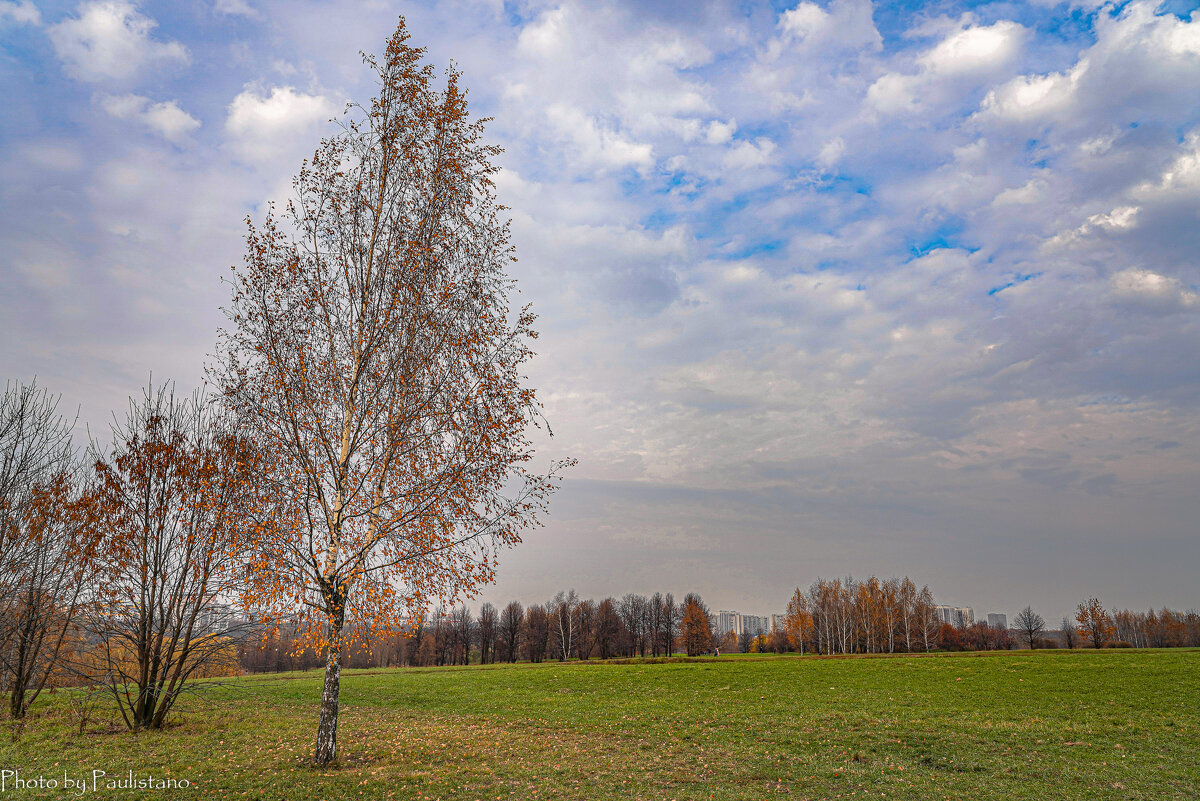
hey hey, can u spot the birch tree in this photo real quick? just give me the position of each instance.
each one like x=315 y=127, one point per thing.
x=562 y=622
x=376 y=356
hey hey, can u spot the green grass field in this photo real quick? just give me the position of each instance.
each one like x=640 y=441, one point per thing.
x=1009 y=725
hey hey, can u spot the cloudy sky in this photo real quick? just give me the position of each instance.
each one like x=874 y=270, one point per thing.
x=824 y=288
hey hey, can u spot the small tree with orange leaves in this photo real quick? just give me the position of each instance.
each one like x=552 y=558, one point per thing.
x=695 y=630
x=1095 y=624
x=375 y=355
x=170 y=503
x=798 y=622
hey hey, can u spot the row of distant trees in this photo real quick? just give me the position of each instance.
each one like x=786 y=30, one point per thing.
x=834 y=616
x=837 y=616
x=1166 y=628
x=1097 y=627
x=565 y=627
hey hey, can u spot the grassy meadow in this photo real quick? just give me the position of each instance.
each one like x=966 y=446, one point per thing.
x=1008 y=725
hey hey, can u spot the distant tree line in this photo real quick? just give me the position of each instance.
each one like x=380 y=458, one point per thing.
x=1163 y=629
x=1098 y=628
x=563 y=628
x=978 y=636
x=838 y=616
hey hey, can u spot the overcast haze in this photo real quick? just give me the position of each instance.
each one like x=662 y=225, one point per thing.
x=824 y=288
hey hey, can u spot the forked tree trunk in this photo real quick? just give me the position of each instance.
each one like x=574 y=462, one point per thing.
x=326 y=750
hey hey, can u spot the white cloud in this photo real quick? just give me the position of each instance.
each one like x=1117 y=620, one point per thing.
x=976 y=49
x=741 y=273
x=1031 y=192
x=265 y=127
x=805 y=20
x=1142 y=64
x=166 y=119
x=1032 y=96
x=964 y=57
x=847 y=24
x=597 y=143
x=831 y=152
x=1098 y=145
x=893 y=93
x=1182 y=175
x=719 y=133
x=123 y=107
x=749 y=155
x=110 y=41
x=169 y=120
x=22 y=13
x=1119 y=220
x=235 y=8
x=1152 y=289
x=547 y=36
x=596 y=87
